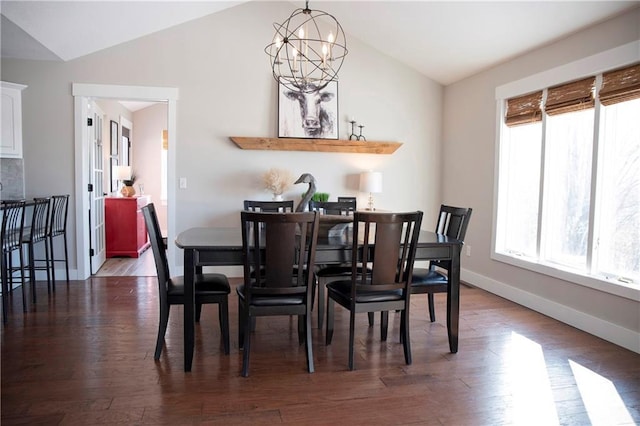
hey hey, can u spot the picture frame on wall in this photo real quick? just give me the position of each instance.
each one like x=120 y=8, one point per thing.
x=308 y=114
x=114 y=138
x=113 y=162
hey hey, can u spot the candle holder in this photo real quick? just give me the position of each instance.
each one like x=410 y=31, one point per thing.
x=353 y=135
x=361 y=136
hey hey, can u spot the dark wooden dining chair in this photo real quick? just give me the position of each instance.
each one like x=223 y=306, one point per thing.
x=452 y=222
x=269 y=206
x=13 y=213
x=387 y=242
x=279 y=252
x=209 y=288
x=326 y=273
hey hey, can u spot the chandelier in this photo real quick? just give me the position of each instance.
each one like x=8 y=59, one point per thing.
x=307 y=50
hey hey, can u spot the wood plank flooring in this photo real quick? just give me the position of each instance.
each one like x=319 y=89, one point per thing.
x=143 y=266
x=84 y=356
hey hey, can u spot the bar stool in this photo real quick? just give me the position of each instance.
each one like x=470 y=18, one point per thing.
x=58 y=228
x=11 y=234
x=34 y=234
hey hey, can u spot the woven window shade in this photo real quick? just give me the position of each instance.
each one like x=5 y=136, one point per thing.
x=165 y=140
x=570 y=97
x=524 y=109
x=620 y=85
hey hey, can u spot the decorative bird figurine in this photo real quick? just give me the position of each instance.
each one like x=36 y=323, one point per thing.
x=306 y=178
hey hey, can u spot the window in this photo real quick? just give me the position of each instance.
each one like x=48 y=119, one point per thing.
x=568 y=194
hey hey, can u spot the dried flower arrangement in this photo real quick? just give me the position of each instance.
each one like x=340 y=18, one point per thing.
x=277 y=181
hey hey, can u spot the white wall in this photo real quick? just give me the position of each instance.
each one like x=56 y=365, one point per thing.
x=148 y=124
x=226 y=89
x=468 y=180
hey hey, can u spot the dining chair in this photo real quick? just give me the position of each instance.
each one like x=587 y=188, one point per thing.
x=269 y=206
x=58 y=228
x=345 y=206
x=13 y=213
x=209 y=288
x=278 y=256
x=37 y=232
x=452 y=222
x=387 y=242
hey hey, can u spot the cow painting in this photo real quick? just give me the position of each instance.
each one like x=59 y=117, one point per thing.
x=308 y=113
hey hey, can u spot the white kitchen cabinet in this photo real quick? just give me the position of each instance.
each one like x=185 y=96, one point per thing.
x=11 y=126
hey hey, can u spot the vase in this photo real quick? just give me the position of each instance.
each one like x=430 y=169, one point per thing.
x=277 y=197
x=128 y=191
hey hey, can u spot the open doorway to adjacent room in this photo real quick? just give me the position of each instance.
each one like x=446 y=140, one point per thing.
x=138 y=128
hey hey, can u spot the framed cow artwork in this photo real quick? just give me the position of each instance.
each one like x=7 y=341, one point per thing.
x=308 y=113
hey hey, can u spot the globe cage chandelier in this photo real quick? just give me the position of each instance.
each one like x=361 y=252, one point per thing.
x=302 y=58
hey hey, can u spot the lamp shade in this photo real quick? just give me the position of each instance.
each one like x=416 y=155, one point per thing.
x=371 y=182
x=122 y=172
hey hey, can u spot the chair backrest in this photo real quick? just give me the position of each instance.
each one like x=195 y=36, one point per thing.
x=12 y=225
x=40 y=219
x=158 y=248
x=269 y=206
x=453 y=221
x=340 y=208
x=59 y=212
x=279 y=252
x=387 y=242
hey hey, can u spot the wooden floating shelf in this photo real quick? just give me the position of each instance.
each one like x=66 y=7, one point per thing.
x=317 y=145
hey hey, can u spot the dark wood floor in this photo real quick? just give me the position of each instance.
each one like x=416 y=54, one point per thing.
x=84 y=356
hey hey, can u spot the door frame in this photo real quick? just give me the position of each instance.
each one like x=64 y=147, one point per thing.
x=82 y=93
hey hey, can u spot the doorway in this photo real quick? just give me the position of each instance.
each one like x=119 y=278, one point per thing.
x=83 y=94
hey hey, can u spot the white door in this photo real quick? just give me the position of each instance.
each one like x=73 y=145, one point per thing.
x=95 y=190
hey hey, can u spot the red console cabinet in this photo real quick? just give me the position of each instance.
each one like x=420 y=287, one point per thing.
x=126 y=232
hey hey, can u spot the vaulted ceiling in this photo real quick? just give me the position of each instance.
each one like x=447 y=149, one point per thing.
x=444 y=40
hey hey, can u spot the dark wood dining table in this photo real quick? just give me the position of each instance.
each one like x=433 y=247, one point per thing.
x=223 y=247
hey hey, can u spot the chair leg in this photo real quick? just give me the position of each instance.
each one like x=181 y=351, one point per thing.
x=321 y=291
x=308 y=342
x=5 y=289
x=330 y=310
x=301 y=329
x=352 y=330
x=432 y=309
x=241 y=324
x=370 y=315
x=247 y=347
x=66 y=256
x=24 y=286
x=32 y=272
x=406 y=339
x=384 y=325
x=162 y=329
x=198 y=311
x=53 y=265
x=223 y=318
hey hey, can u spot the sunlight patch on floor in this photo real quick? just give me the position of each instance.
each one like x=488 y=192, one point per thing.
x=532 y=397
x=600 y=397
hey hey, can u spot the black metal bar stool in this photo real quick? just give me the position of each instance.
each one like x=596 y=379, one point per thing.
x=12 y=229
x=36 y=233
x=58 y=228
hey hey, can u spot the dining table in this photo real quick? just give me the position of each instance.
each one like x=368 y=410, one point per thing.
x=217 y=246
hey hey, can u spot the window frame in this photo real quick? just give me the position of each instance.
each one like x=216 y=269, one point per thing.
x=593 y=65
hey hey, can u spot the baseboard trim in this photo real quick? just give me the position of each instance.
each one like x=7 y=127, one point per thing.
x=608 y=331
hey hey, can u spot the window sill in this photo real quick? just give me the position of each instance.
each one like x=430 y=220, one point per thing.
x=628 y=291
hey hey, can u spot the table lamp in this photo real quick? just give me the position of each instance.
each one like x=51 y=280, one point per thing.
x=123 y=173
x=371 y=182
